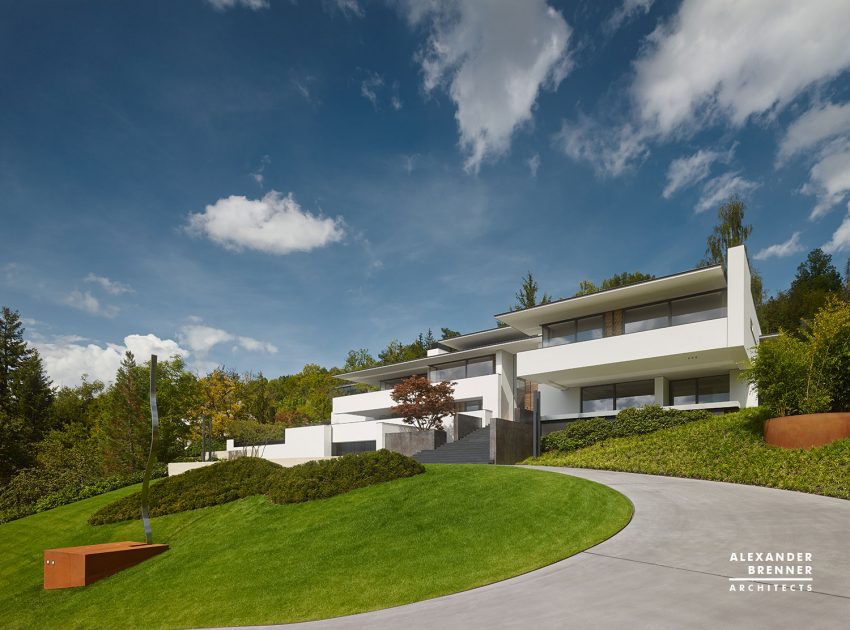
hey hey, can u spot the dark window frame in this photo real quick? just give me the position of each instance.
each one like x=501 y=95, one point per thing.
x=669 y=302
x=482 y=359
x=614 y=386
x=695 y=380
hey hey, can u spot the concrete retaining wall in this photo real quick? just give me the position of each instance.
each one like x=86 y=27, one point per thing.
x=464 y=424
x=414 y=441
x=817 y=429
x=510 y=442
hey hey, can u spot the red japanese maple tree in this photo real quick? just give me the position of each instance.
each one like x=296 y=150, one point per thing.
x=423 y=404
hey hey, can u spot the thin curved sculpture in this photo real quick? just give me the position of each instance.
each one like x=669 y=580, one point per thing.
x=154 y=435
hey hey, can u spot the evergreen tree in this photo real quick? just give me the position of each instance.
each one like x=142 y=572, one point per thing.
x=13 y=352
x=526 y=297
x=126 y=424
x=448 y=333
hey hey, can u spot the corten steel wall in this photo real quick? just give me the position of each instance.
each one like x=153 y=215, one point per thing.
x=510 y=442
x=415 y=441
x=807 y=431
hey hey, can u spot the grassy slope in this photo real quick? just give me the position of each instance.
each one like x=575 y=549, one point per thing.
x=722 y=448
x=252 y=562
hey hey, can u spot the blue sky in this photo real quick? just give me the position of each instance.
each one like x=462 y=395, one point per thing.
x=267 y=183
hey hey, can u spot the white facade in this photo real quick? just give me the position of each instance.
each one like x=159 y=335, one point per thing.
x=680 y=340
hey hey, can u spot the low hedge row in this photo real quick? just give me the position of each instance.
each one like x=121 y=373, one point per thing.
x=17 y=501
x=235 y=479
x=632 y=421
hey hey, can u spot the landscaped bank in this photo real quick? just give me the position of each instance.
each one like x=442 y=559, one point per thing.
x=253 y=562
x=720 y=448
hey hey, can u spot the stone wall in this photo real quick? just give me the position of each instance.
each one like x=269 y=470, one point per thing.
x=510 y=442
x=414 y=441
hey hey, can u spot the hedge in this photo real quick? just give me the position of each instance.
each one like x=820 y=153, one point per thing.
x=246 y=476
x=631 y=421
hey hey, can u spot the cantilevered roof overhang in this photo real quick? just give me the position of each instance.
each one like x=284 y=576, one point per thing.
x=373 y=376
x=531 y=319
x=481 y=338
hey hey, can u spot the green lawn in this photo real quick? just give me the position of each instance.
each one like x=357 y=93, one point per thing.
x=722 y=448
x=252 y=562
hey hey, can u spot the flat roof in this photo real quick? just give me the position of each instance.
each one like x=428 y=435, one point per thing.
x=384 y=372
x=480 y=338
x=693 y=281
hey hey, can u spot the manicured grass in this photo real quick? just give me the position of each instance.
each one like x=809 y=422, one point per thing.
x=253 y=562
x=722 y=448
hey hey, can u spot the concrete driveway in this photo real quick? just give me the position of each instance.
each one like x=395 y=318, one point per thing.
x=669 y=568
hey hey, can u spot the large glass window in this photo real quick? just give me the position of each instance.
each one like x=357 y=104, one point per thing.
x=699 y=308
x=713 y=388
x=589 y=328
x=392 y=382
x=634 y=394
x=647 y=317
x=480 y=367
x=706 y=389
x=683 y=392
x=598 y=398
x=448 y=372
x=559 y=334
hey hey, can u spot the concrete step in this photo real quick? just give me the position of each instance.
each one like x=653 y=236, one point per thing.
x=472 y=449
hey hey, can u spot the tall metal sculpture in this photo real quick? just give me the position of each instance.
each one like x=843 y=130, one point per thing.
x=149 y=468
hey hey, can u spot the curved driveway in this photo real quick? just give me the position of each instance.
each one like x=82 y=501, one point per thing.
x=669 y=568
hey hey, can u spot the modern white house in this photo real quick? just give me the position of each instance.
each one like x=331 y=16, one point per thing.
x=678 y=341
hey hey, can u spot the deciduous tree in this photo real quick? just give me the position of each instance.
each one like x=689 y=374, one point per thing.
x=423 y=404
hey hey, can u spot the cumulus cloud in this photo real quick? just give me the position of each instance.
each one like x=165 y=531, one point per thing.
x=687 y=171
x=85 y=301
x=840 y=240
x=113 y=287
x=224 y=5
x=718 y=190
x=627 y=11
x=275 y=224
x=820 y=123
x=829 y=178
x=67 y=360
x=493 y=59
x=609 y=150
x=780 y=250
x=736 y=59
x=201 y=338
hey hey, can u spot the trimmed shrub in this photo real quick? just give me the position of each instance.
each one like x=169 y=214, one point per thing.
x=35 y=490
x=579 y=434
x=330 y=477
x=202 y=487
x=247 y=476
x=631 y=421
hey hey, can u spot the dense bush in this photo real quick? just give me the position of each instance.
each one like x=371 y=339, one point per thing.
x=246 y=476
x=329 y=477
x=729 y=448
x=202 y=487
x=810 y=374
x=632 y=421
x=36 y=490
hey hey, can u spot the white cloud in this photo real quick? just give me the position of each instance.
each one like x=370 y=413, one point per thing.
x=275 y=224
x=690 y=170
x=829 y=178
x=821 y=122
x=349 y=8
x=493 y=58
x=112 y=287
x=259 y=175
x=201 y=338
x=610 y=151
x=780 y=250
x=737 y=59
x=85 y=301
x=840 y=240
x=66 y=360
x=368 y=88
x=224 y=5
x=718 y=190
x=625 y=12
x=533 y=164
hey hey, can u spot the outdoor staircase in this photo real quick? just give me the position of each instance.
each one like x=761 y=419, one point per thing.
x=472 y=449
